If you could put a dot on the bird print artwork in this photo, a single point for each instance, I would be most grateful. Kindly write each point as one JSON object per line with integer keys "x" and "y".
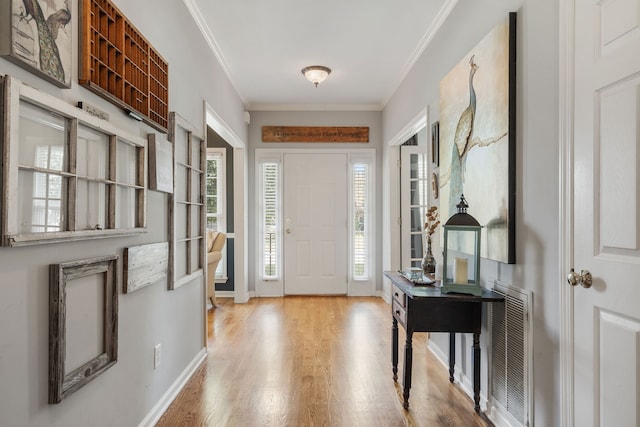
{"x": 461, "y": 141}
{"x": 474, "y": 138}
{"x": 41, "y": 37}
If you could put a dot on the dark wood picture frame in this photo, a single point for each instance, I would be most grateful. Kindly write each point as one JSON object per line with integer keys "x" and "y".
{"x": 61, "y": 383}
{"x": 21, "y": 32}
{"x": 435, "y": 143}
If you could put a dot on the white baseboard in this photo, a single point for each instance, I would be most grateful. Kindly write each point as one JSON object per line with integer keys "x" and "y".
{"x": 225, "y": 294}
{"x": 156, "y": 412}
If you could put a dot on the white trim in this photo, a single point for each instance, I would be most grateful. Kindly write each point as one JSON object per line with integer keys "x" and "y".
{"x": 241, "y": 221}
{"x": 202, "y": 25}
{"x": 169, "y": 396}
{"x": 224, "y": 294}
{"x": 566, "y": 136}
{"x": 267, "y": 287}
{"x": 217, "y": 123}
{"x": 391, "y": 196}
{"x": 240, "y": 198}
{"x": 414, "y": 126}
{"x": 363, "y": 287}
{"x": 222, "y": 204}
{"x": 424, "y": 42}
{"x": 315, "y": 107}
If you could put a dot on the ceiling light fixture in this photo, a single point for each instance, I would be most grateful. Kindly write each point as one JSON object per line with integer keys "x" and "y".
{"x": 316, "y": 73}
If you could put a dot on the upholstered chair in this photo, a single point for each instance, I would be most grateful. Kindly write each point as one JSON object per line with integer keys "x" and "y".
{"x": 215, "y": 243}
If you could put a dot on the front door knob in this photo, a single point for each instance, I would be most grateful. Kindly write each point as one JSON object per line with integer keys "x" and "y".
{"x": 584, "y": 278}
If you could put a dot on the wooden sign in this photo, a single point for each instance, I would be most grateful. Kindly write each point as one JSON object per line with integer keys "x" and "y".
{"x": 145, "y": 265}
{"x": 314, "y": 134}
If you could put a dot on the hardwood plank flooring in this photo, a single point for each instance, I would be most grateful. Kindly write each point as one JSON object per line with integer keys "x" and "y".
{"x": 313, "y": 361}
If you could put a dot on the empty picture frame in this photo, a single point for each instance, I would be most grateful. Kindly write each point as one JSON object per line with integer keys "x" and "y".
{"x": 79, "y": 330}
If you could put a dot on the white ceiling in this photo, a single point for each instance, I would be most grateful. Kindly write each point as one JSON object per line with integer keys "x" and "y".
{"x": 370, "y": 45}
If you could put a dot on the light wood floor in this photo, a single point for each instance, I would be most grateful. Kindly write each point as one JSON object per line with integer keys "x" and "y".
{"x": 313, "y": 361}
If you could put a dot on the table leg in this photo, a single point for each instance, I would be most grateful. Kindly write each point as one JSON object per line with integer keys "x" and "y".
{"x": 452, "y": 355}
{"x": 408, "y": 360}
{"x": 394, "y": 348}
{"x": 476, "y": 371}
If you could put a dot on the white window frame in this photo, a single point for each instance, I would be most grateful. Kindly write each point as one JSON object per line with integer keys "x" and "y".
{"x": 272, "y": 285}
{"x": 220, "y": 153}
{"x": 14, "y": 94}
{"x": 222, "y": 187}
{"x": 363, "y": 285}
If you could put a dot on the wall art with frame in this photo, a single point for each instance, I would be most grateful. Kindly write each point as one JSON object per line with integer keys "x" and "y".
{"x": 83, "y": 323}
{"x": 477, "y": 139}
{"x": 38, "y": 35}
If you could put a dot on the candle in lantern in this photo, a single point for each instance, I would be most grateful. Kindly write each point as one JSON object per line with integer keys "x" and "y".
{"x": 461, "y": 272}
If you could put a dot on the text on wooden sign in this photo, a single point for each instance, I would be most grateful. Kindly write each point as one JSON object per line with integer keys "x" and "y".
{"x": 315, "y": 134}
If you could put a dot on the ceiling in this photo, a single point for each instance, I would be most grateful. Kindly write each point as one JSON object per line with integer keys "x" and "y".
{"x": 370, "y": 45}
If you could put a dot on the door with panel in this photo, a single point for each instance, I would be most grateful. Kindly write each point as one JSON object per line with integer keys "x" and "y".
{"x": 315, "y": 223}
{"x": 606, "y": 203}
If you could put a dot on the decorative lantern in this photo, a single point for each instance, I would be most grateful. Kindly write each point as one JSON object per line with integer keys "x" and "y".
{"x": 461, "y": 265}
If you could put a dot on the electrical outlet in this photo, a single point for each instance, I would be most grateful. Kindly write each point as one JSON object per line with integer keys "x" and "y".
{"x": 156, "y": 356}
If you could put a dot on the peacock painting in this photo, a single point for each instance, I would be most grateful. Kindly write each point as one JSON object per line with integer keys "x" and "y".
{"x": 41, "y": 38}
{"x": 477, "y": 139}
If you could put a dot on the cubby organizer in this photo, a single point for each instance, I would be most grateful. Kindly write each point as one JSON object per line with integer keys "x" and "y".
{"x": 119, "y": 64}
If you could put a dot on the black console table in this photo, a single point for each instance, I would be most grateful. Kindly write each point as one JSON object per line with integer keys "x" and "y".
{"x": 426, "y": 309}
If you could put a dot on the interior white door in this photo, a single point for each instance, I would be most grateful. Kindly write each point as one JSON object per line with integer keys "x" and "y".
{"x": 414, "y": 198}
{"x": 606, "y": 203}
{"x": 315, "y": 224}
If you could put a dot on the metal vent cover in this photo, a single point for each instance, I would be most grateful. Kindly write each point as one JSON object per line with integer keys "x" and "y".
{"x": 511, "y": 354}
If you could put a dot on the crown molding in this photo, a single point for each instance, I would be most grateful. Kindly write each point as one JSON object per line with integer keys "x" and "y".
{"x": 432, "y": 30}
{"x": 196, "y": 14}
{"x": 314, "y": 107}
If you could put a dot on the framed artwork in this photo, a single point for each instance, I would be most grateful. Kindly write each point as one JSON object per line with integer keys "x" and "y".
{"x": 38, "y": 36}
{"x": 435, "y": 143}
{"x": 477, "y": 139}
{"x": 83, "y": 323}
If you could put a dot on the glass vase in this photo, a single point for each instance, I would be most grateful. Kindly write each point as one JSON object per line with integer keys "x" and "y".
{"x": 428, "y": 260}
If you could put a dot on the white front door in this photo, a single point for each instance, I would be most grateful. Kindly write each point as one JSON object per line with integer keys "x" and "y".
{"x": 315, "y": 224}
{"x": 606, "y": 196}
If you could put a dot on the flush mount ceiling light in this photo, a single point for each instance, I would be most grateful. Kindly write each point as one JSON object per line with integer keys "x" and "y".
{"x": 316, "y": 73}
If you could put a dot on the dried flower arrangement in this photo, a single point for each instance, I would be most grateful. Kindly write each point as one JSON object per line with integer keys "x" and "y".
{"x": 432, "y": 221}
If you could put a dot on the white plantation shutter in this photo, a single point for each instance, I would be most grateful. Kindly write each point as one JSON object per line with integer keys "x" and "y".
{"x": 270, "y": 219}
{"x": 360, "y": 267}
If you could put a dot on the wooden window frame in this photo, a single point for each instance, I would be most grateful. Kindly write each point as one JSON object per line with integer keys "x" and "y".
{"x": 193, "y": 202}
{"x": 13, "y": 93}
{"x": 61, "y": 383}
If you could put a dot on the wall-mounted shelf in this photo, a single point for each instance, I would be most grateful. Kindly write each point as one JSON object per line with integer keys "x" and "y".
{"x": 119, "y": 64}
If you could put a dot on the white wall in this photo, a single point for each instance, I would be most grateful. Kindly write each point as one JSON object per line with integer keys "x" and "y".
{"x": 372, "y": 119}
{"x": 126, "y": 393}
{"x": 536, "y": 171}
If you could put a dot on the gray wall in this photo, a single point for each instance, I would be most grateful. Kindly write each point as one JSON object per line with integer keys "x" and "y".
{"x": 127, "y": 392}
{"x": 537, "y": 209}
{"x": 373, "y": 119}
